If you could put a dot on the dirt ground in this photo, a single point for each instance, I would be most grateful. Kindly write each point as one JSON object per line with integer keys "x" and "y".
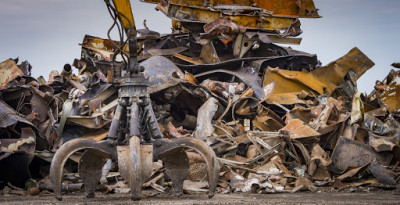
{"x": 376, "y": 197}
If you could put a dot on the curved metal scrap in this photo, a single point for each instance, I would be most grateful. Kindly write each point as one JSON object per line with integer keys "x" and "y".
{"x": 350, "y": 153}
{"x": 103, "y": 148}
{"x": 163, "y": 146}
{"x": 10, "y": 117}
{"x": 247, "y": 75}
{"x": 8, "y": 71}
{"x": 162, "y": 73}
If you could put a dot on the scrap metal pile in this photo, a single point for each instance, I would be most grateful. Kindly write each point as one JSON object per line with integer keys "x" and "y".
{"x": 277, "y": 120}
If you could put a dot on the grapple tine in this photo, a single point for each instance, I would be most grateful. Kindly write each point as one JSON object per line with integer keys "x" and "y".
{"x": 57, "y": 164}
{"x": 177, "y": 167}
{"x": 135, "y": 164}
{"x": 90, "y": 170}
{"x": 163, "y": 146}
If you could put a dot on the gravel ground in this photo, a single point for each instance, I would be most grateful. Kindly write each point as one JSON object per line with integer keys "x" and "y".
{"x": 376, "y": 197}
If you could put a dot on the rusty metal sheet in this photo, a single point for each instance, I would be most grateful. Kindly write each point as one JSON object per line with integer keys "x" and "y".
{"x": 104, "y": 47}
{"x": 323, "y": 80}
{"x": 222, "y": 26}
{"x": 209, "y": 54}
{"x": 350, "y": 153}
{"x": 162, "y": 73}
{"x": 10, "y": 117}
{"x": 247, "y": 75}
{"x": 188, "y": 59}
{"x": 390, "y": 96}
{"x": 26, "y": 143}
{"x": 289, "y": 61}
{"x": 332, "y": 74}
{"x": 224, "y": 89}
{"x": 281, "y": 8}
{"x": 297, "y": 129}
{"x": 8, "y": 71}
{"x": 289, "y": 25}
{"x": 293, "y": 81}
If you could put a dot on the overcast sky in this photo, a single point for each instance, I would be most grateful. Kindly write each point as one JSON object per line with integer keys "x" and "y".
{"x": 47, "y": 32}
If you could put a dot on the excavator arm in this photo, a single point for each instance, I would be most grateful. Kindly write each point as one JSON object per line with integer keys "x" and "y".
{"x": 124, "y": 10}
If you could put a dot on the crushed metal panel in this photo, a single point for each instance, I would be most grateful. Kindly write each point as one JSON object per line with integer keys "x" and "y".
{"x": 333, "y": 73}
{"x": 390, "y": 96}
{"x": 10, "y": 117}
{"x": 323, "y": 80}
{"x": 162, "y": 73}
{"x": 25, "y": 144}
{"x": 104, "y": 47}
{"x": 247, "y": 75}
{"x": 281, "y": 8}
{"x": 290, "y": 26}
{"x": 293, "y": 81}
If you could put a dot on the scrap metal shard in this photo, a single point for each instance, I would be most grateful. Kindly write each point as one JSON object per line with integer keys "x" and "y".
{"x": 8, "y": 71}
{"x": 323, "y": 80}
{"x": 350, "y": 153}
{"x": 390, "y": 96}
{"x": 298, "y": 129}
{"x": 10, "y": 117}
{"x": 162, "y": 73}
{"x": 207, "y": 111}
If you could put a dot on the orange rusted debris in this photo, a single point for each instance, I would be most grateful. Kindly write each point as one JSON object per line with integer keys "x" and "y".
{"x": 297, "y": 129}
{"x": 280, "y": 8}
{"x": 8, "y": 71}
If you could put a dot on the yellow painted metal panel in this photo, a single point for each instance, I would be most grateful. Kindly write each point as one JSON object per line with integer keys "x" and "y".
{"x": 188, "y": 14}
{"x": 278, "y": 8}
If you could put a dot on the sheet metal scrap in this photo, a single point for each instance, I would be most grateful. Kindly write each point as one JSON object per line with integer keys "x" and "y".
{"x": 323, "y": 80}
{"x": 17, "y": 146}
{"x": 8, "y": 71}
{"x": 390, "y": 95}
{"x": 270, "y": 16}
{"x": 17, "y": 134}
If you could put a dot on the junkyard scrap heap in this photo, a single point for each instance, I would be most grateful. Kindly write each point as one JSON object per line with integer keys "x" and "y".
{"x": 277, "y": 120}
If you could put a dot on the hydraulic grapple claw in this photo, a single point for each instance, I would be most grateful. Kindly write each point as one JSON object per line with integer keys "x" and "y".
{"x": 134, "y": 161}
